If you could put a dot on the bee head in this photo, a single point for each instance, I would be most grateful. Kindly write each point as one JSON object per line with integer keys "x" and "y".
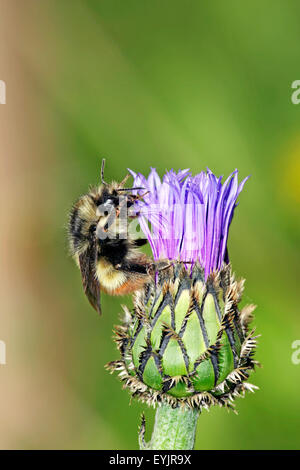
{"x": 101, "y": 213}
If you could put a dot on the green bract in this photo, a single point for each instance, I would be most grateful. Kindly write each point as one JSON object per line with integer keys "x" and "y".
{"x": 186, "y": 341}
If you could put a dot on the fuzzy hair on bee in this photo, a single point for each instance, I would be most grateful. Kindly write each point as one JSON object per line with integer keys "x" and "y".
{"x": 108, "y": 258}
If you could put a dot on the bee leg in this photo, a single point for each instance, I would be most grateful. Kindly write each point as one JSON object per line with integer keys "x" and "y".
{"x": 158, "y": 266}
{"x": 140, "y": 196}
{"x": 133, "y": 268}
{"x": 123, "y": 181}
{"x": 140, "y": 242}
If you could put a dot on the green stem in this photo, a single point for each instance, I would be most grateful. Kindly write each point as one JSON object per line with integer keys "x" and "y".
{"x": 174, "y": 428}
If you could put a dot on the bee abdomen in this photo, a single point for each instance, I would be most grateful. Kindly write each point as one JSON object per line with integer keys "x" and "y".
{"x": 131, "y": 286}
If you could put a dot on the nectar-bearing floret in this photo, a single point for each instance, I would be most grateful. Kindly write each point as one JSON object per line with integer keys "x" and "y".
{"x": 195, "y": 213}
{"x": 186, "y": 342}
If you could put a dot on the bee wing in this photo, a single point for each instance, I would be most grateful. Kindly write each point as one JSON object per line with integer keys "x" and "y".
{"x": 90, "y": 283}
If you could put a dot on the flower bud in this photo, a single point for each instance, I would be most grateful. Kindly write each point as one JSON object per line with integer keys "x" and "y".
{"x": 186, "y": 342}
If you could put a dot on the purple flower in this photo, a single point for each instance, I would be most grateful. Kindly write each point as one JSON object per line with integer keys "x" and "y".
{"x": 189, "y": 215}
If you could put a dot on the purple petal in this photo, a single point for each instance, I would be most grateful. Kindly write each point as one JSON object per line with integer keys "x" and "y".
{"x": 190, "y": 216}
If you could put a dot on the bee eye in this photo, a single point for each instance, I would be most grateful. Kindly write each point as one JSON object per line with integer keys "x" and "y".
{"x": 93, "y": 228}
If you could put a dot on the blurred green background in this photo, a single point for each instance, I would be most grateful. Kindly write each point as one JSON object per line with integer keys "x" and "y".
{"x": 168, "y": 84}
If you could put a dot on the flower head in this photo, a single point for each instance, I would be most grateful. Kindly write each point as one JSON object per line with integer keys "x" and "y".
{"x": 190, "y": 215}
{"x": 186, "y": 342}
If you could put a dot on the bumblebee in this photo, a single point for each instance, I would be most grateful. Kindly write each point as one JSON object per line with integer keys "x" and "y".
{"x": 108, "y": 258}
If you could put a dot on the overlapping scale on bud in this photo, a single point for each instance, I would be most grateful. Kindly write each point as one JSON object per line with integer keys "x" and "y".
{"x": 186, "y": 342}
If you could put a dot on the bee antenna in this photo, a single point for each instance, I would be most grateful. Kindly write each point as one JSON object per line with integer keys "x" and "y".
{"x": 102, "y": 172}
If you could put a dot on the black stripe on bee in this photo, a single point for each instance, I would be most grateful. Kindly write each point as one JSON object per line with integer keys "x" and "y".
{"x": 115, "y": 250}
{"x": 76, "y": 225}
